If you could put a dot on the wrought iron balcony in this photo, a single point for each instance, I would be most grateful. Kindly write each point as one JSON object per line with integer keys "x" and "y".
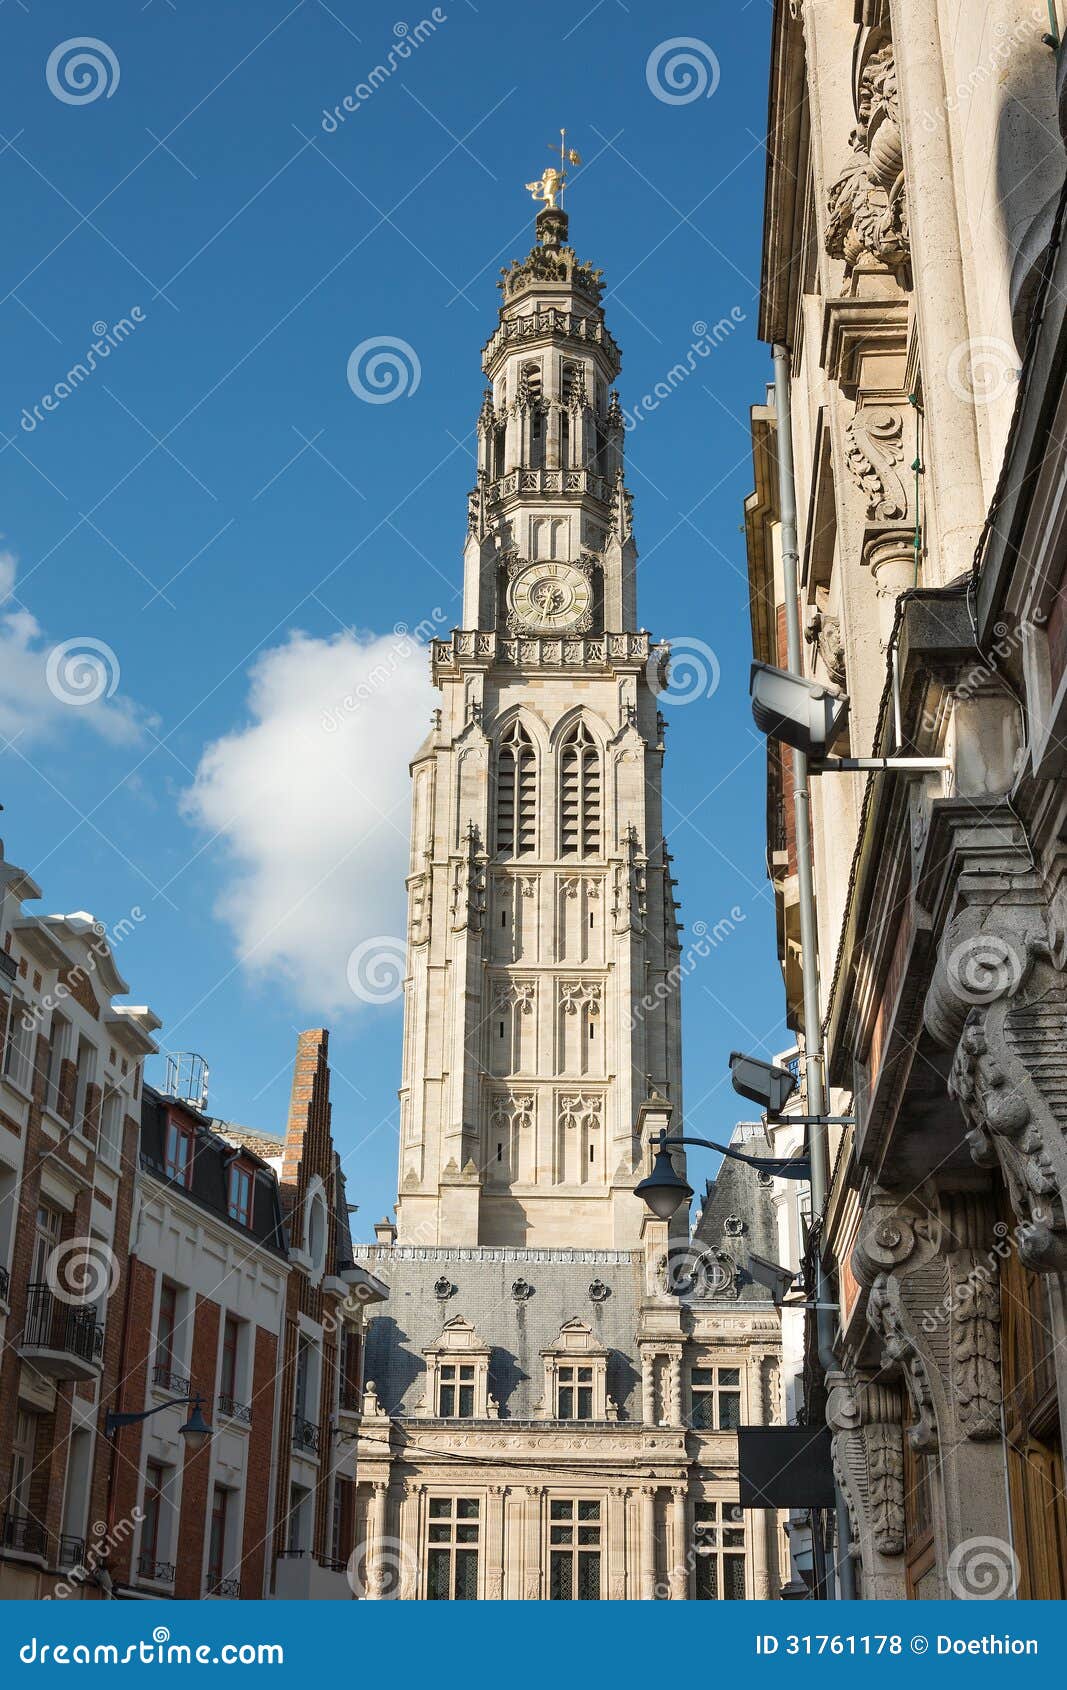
{"x": 228, "y": 1589}
{"x": 64, "y": 1340}
{"x": 234, "y": 1410}
{"x": 158, "y": 1572}
{"x": 305, "y": 1435}
{"x": 175, "y": 1384}
{"x": 24, "y": 1535}
{"x": 71, "y": 1551}
{"x": 5, "y": 1285}
{"x": 8, "y": 966}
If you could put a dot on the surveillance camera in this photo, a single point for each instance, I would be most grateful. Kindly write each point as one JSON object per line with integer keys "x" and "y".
{"x": 808, "y": 715}
{"x": 762, "y": 1082}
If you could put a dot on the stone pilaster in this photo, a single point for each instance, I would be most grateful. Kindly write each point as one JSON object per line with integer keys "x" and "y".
{"x": 866, "y": 1418}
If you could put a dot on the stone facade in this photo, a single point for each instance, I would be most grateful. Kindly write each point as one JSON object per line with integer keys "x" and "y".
{"x": 552, "y": 1387}
{"x": 912, "y": 288}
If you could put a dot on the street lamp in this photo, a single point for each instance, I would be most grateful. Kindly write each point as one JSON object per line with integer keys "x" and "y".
{"x": 772, "y": 1087}
{"x": 811, "y": 715}
{"x": 196, "y": 1431}
{"x": 665, "y": 1190}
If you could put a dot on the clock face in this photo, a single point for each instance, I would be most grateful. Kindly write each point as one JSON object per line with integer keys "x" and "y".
{"x": 551, "y": 598}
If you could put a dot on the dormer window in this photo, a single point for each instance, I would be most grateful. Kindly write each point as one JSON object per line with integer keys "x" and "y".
{"x": 178, "y": 1155}
{"x": 576, "y": 1376}
{"x": 455, "y": 1391}
{"x": 457, "y": 1374}
{"x": 239, "y": 1200}
{"x": 574, "y": 1393}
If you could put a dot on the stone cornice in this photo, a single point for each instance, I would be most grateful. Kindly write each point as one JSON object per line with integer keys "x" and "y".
{"x": 554, "y": 323}
{"x": 470, "y": 648}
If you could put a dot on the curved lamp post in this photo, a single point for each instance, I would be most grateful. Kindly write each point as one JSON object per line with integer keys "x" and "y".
{"x": 665, "y": 1190}
{"x": 196, "y": 1431}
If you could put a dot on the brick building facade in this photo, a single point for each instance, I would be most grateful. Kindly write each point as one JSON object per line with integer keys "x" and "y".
{"x": 151, "y": 1256}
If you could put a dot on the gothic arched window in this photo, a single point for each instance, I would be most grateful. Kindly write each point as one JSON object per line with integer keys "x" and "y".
{"x": 516, "y": 794}
{"x": 530, "y": 397}
{"x": 579, "y": 794}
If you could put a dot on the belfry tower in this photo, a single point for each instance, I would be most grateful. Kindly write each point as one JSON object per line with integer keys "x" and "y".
{"x": 541, "y": 1005}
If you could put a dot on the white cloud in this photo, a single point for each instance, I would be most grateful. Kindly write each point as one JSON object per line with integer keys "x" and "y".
{"x": 48, "y": 686}
{"x": 311, "y": 801}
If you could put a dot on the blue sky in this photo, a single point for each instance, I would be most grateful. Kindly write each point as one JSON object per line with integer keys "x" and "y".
{"x": 237, "y": 530}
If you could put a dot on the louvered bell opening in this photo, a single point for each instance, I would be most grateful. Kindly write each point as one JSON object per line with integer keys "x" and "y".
{"x": 570, "y": 805}
{"x": 505, "y": 806}
{"x": 591, "y": 806}
{"x": 527, "y": 804}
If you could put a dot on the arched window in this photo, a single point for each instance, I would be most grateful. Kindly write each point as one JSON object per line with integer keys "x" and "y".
{"x": 579, "y": 794}
{"x": 530, "y": 398}
{"x": 516, "y": 794}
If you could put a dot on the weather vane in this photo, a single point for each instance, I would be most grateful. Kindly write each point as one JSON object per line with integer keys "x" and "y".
{"x": 553, "y": 181}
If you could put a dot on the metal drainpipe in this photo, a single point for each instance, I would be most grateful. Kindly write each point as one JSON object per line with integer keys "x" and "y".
{"x": 813, "y": 1054}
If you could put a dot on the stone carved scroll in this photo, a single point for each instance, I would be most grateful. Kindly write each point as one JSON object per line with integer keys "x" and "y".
{"x": 874, "y": 458}
{"x": 999, "y": 996}
{"x": 931, "y": 1269}
{"x": 868, "y": 1455}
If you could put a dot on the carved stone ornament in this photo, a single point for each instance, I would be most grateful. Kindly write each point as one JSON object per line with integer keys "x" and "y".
{"x": 875, "y": 454}
{"x": 599, "y": 1292}
{"x": 522, "y": 1290}
{"x": 867, "y": 215}
{"x": 931, "y": 1267}
{"x": 999, "y": 995}
{"x": 443, "y": 1290}
{"x": 824, "y": 633}
{"x": 868, "y": 1457}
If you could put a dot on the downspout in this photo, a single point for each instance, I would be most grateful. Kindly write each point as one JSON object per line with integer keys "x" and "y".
{"x": 813, "y": 1052}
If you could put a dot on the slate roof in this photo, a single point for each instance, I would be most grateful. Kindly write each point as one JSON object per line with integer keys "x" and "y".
{"x": 738, "y": 1194}
{"x": 516, "y": 1329}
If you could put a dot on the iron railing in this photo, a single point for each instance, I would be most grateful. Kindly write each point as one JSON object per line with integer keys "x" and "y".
{"x": 24, "y": 1534}
{"x": 234, "y": 1410}
{"x": 71, "y": 1551}
{"x": 175, "y": 1384}
{"x": 5, "y": 1285}
{"x": 8, "y": 965}
{"x": 228, "y": 1588}
{"x": 305, "y": 1434}
{"x": 52, "y": 1324}
{"x": 159, "y": 1572}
